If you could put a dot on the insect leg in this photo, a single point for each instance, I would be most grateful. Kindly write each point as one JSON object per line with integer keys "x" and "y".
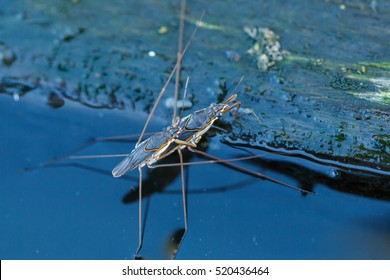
{"x": 179, "y": 59}
{"x": 179, "y": 52}
{"x": 184, "y": 143}
{"x": 205, "y": 162}
{"x": 69, "y": 155}
{"x": 248, "y": 171}
{"x": 236, "y": 106}
{"x": 167, "y": 82}
{"x": 183, "y": 191}
{"x": 140, "y": 230}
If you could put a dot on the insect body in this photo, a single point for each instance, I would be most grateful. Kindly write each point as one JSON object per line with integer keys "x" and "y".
{"x": 147, "y": 152}
{"x": 195, "y": 125}
{"x": 185, "y": 132}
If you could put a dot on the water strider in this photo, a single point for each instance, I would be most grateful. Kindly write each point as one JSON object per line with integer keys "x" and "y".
{"x": 184, "y": 132}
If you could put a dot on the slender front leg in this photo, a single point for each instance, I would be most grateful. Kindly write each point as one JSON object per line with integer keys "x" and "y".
{"x": 236, "y": 106}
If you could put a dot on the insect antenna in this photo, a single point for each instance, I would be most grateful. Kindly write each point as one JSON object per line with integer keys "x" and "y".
{"x": 238, "y": 84}
{"x": 233, "y": 95}
{"x": 184, "y": 96}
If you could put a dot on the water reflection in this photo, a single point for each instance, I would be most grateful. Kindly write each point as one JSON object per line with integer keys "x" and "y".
{"x": 348, "y": 180}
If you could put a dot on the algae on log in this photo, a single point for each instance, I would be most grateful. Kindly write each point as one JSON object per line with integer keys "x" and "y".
{"x": 329, "y": 96}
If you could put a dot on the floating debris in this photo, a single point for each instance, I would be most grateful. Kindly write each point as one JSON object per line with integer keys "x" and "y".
{"x": 340, "y": 81}
{"x": 181, "y": 103}
{"x": 232, "y": 55}
{"x": 162, "y": 30}
{"x": 69, "y": 34}
{"x": 7, "y": 56}
{"x": 55, "y": 101}
{"x": 266, "y": 47}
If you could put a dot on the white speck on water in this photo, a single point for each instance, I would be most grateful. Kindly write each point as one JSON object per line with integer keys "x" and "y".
{"x": 334, "y": 173}
{"x": 254, "y": 241}
{"x": 152, "y": 53}
{"x": 16, "y": 96}
{"x": 246, "y": 111}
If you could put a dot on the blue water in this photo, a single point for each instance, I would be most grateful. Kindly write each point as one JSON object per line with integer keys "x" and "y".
{"x": 77, "y": 210}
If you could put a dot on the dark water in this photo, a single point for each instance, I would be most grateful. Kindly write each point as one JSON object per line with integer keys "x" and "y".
{"x": 79, "y": 211}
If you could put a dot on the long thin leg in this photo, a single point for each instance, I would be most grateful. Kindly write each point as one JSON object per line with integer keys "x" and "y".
{"x": 248, "y": 171}
{"x": 167, "y": 82}
{"x": 236, "y": 106}
{"x": 179, "y": 50}
{"x": 98, "y": 156}
{"x": 205, "y": 162}
{"x": 91, "y": 142}
{"x": 140, "y": 230}
{"x": 183, "y": 192}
